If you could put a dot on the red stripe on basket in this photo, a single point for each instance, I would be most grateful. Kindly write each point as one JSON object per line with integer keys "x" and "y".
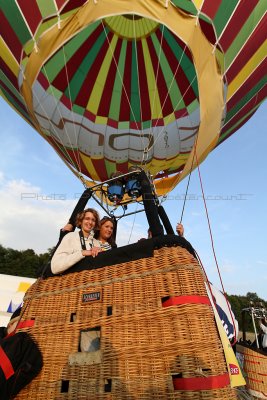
{"x": 173, "y": 301}
{"x": 248, "y": 361}
{"x": 5, "y": 364}
{"x": 201, "y": 383}
{"x": 254, "y": 372}
{"x": 26, "y": 324}
{"x": 254, "y": 380}
{"x": 251, "y": 356}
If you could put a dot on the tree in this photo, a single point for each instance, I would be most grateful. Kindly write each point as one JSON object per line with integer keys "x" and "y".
{"x": 238, "y": 303}
{"x": 21, "y": 263}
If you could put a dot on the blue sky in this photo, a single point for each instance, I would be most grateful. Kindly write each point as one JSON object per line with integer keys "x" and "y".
{"x": 38, "y": 193}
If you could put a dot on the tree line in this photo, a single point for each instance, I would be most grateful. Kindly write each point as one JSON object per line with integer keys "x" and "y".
{"x": 27, "y": 263}
{"x": 22, "y": 262}
{"x": 238, "y": 303}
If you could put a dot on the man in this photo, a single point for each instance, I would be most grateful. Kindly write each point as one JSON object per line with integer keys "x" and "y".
{"x": 11, "y": 326}
{"x": 180, "y": 229}
{"x": 263, "y": 327}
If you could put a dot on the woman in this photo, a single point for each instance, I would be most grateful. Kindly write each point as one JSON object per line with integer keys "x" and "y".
{"x": 70, "y": 251}
{"x": 105, "y": 234}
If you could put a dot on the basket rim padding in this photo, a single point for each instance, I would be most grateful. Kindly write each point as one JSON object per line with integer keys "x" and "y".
{"x": 142, "y": 249}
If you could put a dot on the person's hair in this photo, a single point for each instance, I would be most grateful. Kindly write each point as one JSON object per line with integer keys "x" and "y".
{"x": 81, "y": 215}
{"x": 110, "y": 240}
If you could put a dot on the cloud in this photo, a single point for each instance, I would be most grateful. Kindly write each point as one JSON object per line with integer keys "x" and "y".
{"x": 196, "y": 214}
{"x": 130, "y": 233}
{"x": 30, "y": 219}
{"x": 228, "y": 267}
{"x": 225, "y": 227}
{"x": 262, "y": 263}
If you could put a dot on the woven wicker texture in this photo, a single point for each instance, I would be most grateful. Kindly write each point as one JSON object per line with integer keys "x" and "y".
{"x": 144, "y": 347}
{"x": 255, "y": 369}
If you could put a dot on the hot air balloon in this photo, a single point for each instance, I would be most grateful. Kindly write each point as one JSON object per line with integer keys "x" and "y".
{"x": 116, "y": 85}
{"x": 110, "y": 86}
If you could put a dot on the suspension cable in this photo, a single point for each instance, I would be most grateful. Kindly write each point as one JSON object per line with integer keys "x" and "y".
{"x": 156, "y": 80}
{"x": 167, "y": 94}
{"x": 130, "y": 236}
{"x": 138, "y": 80}
{"x": 186, "y": 191}
{"x": 213, "y": 247}
{"x": 169, "y": 117}
{"x": 76, "y": 164}
{"x": 71, "y": 102}
{"x": 119, "y": 73}
{"x": 71, "y": 164}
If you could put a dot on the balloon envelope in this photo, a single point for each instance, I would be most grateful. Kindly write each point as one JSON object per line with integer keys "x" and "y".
{"x": 134, "y": 82}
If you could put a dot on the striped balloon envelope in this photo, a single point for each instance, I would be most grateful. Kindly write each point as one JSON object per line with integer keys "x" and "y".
{"x": 157, "y": 84}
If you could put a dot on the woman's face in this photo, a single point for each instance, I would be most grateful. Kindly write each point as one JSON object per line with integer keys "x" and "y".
{"x": 88, "y": 223}
{"x": 106, "y": 230}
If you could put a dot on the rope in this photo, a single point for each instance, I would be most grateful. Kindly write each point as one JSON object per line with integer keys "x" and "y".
{"x": 145, "y": 148}
{"x": 225, "y": 27}
{"x": 53, "y": 129}
{"x": 156, "y": 80}
{"x": 72, "y": 165}
{"x": 159, "y": 56}
{"x": 74, "y": 125}
{"x": 188, "y": 181}
{"x": 64, "y": 128}
{"x": 169, "y": 117}
{"x": 177, "y": 104}
{"x": 166, "y": 97}
{"x": 119, "y": 73}
{"x": 213, "y": 250}
{"x": 133, "y": 223}
{"x": 189, "y": 178}
{"x": 137, "y": 71}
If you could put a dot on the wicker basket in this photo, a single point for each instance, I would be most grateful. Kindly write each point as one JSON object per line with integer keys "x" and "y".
{"x": 156, "y": 329}
{"x": 255, "y": 370}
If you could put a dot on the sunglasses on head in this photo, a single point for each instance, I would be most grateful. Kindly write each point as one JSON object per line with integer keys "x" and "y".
{"x": 108, "y": 219}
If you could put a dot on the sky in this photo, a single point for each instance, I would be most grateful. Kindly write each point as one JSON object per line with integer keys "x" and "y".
{"x": 38, "y": 193}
